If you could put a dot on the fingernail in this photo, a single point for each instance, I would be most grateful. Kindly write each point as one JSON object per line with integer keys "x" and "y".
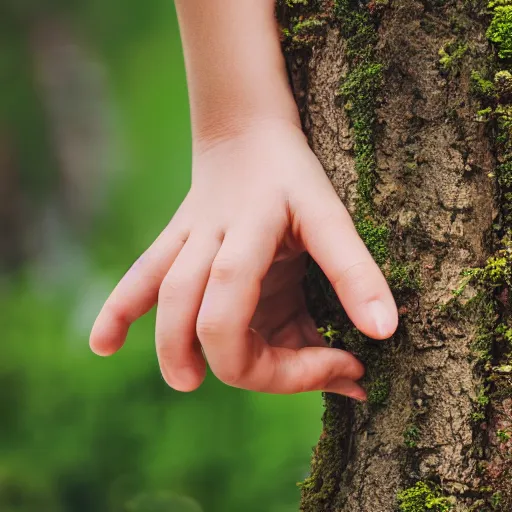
{"x": 383, "y": 317}
{"x": 348, "y": 388}
{"x": 359, "y": 395}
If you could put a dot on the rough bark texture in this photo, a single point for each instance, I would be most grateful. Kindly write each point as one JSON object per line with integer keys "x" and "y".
{"x": 434, "y": 434}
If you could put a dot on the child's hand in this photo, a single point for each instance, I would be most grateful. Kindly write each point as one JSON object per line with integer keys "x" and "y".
{"x": 227, "y": 272}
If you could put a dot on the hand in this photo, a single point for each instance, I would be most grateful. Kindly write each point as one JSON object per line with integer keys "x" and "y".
{"x": 227, "y": 273}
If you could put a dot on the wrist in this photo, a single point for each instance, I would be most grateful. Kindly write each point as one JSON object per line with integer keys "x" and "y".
{"x": 230, "y": 126}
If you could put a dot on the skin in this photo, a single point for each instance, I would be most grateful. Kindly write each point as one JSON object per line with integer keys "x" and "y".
{"x": 226, "y": 273}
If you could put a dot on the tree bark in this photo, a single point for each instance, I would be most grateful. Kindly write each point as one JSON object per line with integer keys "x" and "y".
{"x": 392, "y": 97}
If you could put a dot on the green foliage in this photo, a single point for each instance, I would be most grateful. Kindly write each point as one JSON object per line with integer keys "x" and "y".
{"x": 422, "y": 497}
{"x": 329, "y": 333}
{"x": 162, "y": 502}
{"x": 500, "y": 29}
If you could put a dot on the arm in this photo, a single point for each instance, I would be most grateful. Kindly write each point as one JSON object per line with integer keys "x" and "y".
{"x": 227, "y": 271}
{"x": 235, "y": 68}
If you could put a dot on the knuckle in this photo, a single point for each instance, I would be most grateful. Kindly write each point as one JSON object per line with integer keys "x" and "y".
{"x": 208, "y": 327}
{"x": 355, "y": 273}
{"x": 225, "y": 270}
{"x": 170, "y": 289}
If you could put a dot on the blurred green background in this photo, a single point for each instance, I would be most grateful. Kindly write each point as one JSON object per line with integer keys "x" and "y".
{"x": 94, "y": 159}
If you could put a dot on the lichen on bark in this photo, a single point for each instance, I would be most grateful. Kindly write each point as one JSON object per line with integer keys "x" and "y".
{"x": 408, "y": 152}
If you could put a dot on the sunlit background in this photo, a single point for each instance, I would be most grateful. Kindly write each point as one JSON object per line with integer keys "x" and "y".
{"x": 94, "y": 159}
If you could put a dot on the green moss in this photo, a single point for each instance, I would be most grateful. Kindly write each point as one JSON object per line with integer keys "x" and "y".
{"x": 503, "y": 81}
{"x": 305, "y": 25}
{"x": 304, "y": 31}
{"x": 480, "y": 405}
{"x": 493, "y": 342}
{"x": 320, "y": 488}
{"x": 485, "y": 338}
{"x": 378, "y": 392}
{"x": 403, "y": 277}
{"x": 482, "y": 398}
{"x": 497, "y": 271}
{"x": 505, "y": 333}
{"x": 451, "y": 54}
{"x": 359, "y": 90}
{"x": 484, "y": 115}
{"x": 375, "y": 237}
{"x": 498, "y": 103}
{"x": 482, "y": 87}
{"x": 504, "y": 436}
{"x": 500, "y": 29}
{"x": 500, "y": 34}
{"x": 423, "y": 497}
{"x": 412, "y": 435}
{"x": 496, "y": 500}
{"x": 478, "y": 416}
{"x": 355, "y": 342}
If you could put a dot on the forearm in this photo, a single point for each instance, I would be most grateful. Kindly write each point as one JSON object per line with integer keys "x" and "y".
{"x": 235, "y": 68}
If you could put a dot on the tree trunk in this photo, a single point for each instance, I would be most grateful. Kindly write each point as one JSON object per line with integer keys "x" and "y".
{"x": 408, "y": 105}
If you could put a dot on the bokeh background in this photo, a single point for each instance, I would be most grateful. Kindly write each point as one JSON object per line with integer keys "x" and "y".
{"x": 94, "y": 160}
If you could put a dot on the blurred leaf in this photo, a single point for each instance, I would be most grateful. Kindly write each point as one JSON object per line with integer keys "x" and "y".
{"x": 163, "y": 502}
